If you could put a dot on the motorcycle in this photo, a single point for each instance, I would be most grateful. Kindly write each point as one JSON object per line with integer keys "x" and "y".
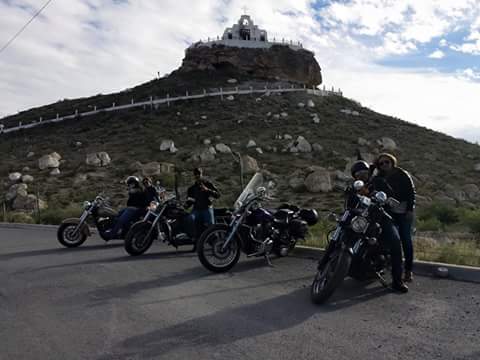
{"x": 166, "y": 222}
{"x": 354, "y": 248}
{"x": 253, "y": 230}
{"x": 73, "y": 232}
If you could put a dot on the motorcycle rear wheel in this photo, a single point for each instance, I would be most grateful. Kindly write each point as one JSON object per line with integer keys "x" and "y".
{"x": 137, "y": 240}
{"x": 330, "y": 276}
{"x": 210, "y": 253}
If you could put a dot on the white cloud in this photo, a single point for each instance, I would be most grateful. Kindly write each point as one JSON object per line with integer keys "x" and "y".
{"x": 437, "y": 54}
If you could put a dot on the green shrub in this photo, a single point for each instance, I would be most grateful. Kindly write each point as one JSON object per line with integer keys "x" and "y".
{"x": 55, "y": 215}
{"x": 445, "y": 214}
{"x": 19, "y": 218}
{"x": 430, "y": 224}
{"x": 472, "y": 220}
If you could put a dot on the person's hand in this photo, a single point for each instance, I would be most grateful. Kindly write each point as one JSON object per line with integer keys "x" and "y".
{"x": 203, "y": 187}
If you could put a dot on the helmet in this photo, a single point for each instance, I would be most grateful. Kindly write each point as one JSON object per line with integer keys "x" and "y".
{"x": 309, "y": 215}
{"x": 133, "y": 180}
{"x": 359, "y": 165}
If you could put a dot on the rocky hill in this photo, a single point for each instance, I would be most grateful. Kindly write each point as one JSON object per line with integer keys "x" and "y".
{"x": 305, "y": 143}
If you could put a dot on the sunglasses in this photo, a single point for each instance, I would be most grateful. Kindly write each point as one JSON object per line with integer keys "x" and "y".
{"x": 385, "y": 162}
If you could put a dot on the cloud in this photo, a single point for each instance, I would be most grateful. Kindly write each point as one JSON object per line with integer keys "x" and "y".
{"x": 437, "y": 54}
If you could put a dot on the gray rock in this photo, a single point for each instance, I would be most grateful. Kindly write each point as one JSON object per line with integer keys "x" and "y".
{"x": 30, "y": 154}
{"x": 251, "y": 144}
{"x": 207, "y": 142}
{"x": 232, "y": 81}
{"x": 99, "y": 159}
{"x": 167, "y": 145}
{"x": 477, "y": 167}
{"x": 303, "y": 145}
{"x": 317, "y": 148}
{"x": 310, "y": 104}
{"x": 319, "y": 181}
{"x": 27, "y": 179}
{"x": 472, "y": 191}
{"x": 284, "y": 114}
{"x": 296, "y": 181}
{"x": 50, "y": 161}
{"x": 15, "y": 177}
{"x": 288, "y": 137}
{"x": 259, "y": 150}
{"x": 55, "y": 172}
{"x": 250, "y": 165}
{"x": 28, "y": 203}
{"x": 387, "y": 144}
{"x": 363, "y": 142}
{"x": 223, "y": 149}
{"x": 230, "y": 98}
{"x": 301, "y": 105}
{"x": 25, "y": 169}
{"x": 80, "y": 179}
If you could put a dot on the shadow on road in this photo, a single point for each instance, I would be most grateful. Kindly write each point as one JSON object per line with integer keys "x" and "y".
{"x": 59, "y": 250}
{"x": 230, "y": 325}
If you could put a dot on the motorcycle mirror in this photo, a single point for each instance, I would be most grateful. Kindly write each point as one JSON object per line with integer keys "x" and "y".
{"x": 381, "y": 197}
{"x": 358, "y": 185}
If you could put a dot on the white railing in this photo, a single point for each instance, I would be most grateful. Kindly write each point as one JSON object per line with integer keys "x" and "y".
{"x": 168, "y": 100}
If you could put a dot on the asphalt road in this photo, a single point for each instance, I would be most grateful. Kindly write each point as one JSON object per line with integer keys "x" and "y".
{"x": 95, "y": 302}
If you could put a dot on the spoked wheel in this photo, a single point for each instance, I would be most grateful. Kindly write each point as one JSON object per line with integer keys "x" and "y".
{"x": 211, "y": 253}
{"x": 139, "y": 238}
{"x": 69, "y": 236}
{"x": 330, "y": 276}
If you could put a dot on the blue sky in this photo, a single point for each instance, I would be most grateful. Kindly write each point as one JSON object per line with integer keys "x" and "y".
{"x": 414, "y": 59}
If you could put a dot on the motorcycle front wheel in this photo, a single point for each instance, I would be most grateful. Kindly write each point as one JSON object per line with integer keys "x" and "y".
{"x": 68, "y": 237}
{"x": 138, "y": 239}
{"x": 330, "y": 275}
{"x": 210, "y": 249}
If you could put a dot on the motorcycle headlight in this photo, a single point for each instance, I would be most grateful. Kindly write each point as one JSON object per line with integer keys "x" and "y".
{"x": 153, "y": 206}
{"x": 87, "y": 204}
{"x": 359, "y": 224}
{"x": 365, "y": 201}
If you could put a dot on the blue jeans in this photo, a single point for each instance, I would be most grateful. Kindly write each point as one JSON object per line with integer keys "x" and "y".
{"x": 125, "y": 216}
{"x": 405, "y": 229}
{"x": 391, "y": 238}
{"x": 199, "y": 219}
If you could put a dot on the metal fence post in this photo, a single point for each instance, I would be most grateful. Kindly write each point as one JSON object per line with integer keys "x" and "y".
{"x": 168, "y": 100}
{"x": 221, "y": 93}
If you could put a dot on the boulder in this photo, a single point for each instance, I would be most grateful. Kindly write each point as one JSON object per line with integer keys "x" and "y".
{"x": 319, "y": 181}
{"x": 207, "y": 142}
{"x": 303, "y": 145}
{"x": 288, "y": 137}
{"x": 25, "y": 169}
{"x": 477, "y": 167}
{"x": 28, "y": 203}
{"x": 310, "y": 104}
{"x": 223, "y": 149}
{"x": 232, "y": 81}
{"x": 363, "y": 142}
{"x": 30, "y": 154}
{"x": 251, "y": 144}
{"x": 14, "y": 190}
{"x": 387, "y": 144}
{"x": 259, "y": 150}
{"x": 27, "y": 179}
{"x": 50, "y": 161}
{"x": 284, "y": 114}
{"x": 151, "y": 169}
{"x": 316, "y": 119}
{"x": 15, "y": 177}
{"x": 301, "y": 105}
{"x": 98, "y": 159}
{"x": 167, "y": 145}
{"x": 250, "y": 165}
{"x": 230, "y": 98}
{"x": 203, "y": 155}
{"x": 317, "y": 148}
{"x": 296, "y": 181}
{"x": 55, "y": 172}
{"x": 275, "y": 63}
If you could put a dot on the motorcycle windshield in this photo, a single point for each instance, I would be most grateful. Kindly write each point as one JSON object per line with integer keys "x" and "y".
{"x": 249, "y": 191}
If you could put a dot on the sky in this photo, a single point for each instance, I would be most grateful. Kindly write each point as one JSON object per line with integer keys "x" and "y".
{"x": 418, "y": 60}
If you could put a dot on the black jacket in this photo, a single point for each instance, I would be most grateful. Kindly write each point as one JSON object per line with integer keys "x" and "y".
{"x": 138, "y": 199}
{"x": 202, "y": 199}
{"x": 402, "y": 185}
{"x": 151, "y": 194}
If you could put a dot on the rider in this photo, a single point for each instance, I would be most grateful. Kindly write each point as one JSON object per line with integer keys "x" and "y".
{"x": 361, "y": 170}
{"x": 152, "y": 193}
{"x": 199, "y": 195}
{"x": 136, "y": 204}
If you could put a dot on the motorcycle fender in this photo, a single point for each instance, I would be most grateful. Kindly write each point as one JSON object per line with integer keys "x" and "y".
{"x": 85, "y": 229}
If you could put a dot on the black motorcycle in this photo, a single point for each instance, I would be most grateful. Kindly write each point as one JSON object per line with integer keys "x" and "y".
{"x": 253, "y": 230}
{"x": 73, "y": 232}
{"x": 354, "y": 247}
{"x": 167, "y": 222}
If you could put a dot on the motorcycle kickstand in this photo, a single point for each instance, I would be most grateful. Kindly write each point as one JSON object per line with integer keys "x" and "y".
{"x": 382, "y": 280}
